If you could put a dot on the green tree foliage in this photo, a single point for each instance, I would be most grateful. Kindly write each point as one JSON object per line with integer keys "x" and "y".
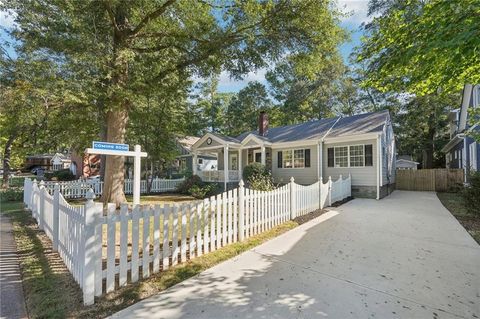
{"x": 115, "y": 50}
{"x": 244, "y": 108}
{"x": 422, "y": 128}
{"x": 422, "y": 47}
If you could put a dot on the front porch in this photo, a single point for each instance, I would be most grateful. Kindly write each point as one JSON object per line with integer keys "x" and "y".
{"x": 232, "y": 156}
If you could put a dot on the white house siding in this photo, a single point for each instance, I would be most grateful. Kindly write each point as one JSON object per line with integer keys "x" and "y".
{"x": 361, "y": 176}
{"x": 306, "y": 176}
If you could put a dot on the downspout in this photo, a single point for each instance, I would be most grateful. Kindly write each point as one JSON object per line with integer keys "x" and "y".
{"x": 320, "y": 150}
{"x": 379, "y": 167}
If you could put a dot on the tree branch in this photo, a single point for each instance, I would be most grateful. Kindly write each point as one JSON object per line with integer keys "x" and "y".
{"x": 151, "y": 16}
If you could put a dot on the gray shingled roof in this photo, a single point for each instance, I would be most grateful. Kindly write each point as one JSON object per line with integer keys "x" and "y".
{"x": 351, "y": 125}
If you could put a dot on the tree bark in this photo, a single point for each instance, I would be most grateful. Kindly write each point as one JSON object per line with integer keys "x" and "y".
{"x": 7, "y": 153}
{"x": 115, "y": 165}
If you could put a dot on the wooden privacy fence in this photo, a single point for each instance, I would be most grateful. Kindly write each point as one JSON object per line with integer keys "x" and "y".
{"x": 106, "y": 250}
{"x": 79, "y": 188}
{"x": 439, "y": 180}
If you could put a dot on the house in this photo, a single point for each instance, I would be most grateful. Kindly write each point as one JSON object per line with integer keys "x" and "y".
{"x": 406, "y": 162}
{"x": 184, "y": 162}
{"x": 361, "y": 145}
{"x": 48, "y": 162}
{"x": 462, "y": 151}
{"x": 60, "y": 161}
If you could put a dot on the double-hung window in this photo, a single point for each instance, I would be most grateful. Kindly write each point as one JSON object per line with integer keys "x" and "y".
{"x": 357, "y": 156}
{"x": 341, "y": 156}
{"x": 296, "y": 158}
{"x": 350, "y": 156}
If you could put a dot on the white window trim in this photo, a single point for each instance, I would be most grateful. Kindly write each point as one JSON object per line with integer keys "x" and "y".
{"x": 292, "y": 150}
{"x": 348, "y": 154}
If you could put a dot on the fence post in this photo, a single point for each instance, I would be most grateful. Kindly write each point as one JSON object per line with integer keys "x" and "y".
{"x": 35, "y": 183}
{"x": 320, "y": 193}
{"x": 241, "y": 210}
{"x": 93, "y": 213}
{"x": 56, "y": 215}
{"x": 349, "y": 185}
{"x": 42, "y": 205}
{"x": 329, "y": 190}
{"x": 292, "y": 198}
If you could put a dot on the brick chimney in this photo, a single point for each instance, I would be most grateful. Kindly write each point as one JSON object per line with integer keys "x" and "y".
{"x": 263, "y": 123}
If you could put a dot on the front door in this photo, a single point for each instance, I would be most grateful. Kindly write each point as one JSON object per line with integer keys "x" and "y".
{"x": 233, "y": 162}
{"x": 257, "y": 155}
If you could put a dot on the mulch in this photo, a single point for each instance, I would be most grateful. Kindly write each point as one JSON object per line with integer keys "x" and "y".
{"x": 316, "y": 213}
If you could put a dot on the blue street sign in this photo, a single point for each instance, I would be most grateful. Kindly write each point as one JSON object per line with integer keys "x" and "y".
{"x": 110, "y": 146}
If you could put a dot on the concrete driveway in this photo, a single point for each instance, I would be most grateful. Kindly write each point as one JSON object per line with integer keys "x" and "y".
{"x": 402, "y": 257}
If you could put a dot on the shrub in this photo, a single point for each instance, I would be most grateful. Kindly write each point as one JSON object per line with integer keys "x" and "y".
{"x": 61, "y": 175}
{"x": 261, "y": 182}
{"x": 471, "y": 194}
{"x": 203, "y": 191}
{"x": 12, "y": 194}
{"x": 254, "y": 169}
{"x": 258, "y": 177}
{"x": 194, "y": 180}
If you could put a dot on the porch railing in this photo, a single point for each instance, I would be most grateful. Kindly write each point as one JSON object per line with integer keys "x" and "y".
{"x": 219, "y": 176}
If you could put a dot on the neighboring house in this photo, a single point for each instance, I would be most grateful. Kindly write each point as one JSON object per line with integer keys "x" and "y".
{"x": 185, "y": 163}
{"x": 361, "y": 145}
{"x": 406, "y": 162}
{"x": 60, "y": 161}
{"x": 462, "y": 151}
{"x": 48, "y": 162}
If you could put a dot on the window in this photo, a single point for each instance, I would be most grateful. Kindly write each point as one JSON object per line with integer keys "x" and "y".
{"x": 287, "y": 159}
{"x": 341, "y": 156}
{"x": 298, "y": 158}
{"x": 200, "y": 161}
{"x": 357, "y": 156}
{"x": 350, "y": 156}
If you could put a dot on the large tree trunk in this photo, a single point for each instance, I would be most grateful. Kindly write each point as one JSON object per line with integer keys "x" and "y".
{"x": 7, "y": 153}
{"x": 115, "y": 165}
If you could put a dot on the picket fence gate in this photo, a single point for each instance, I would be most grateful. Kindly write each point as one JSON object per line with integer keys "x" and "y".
{"x": 79, "y": 188}
{"x": 107, "y": 250}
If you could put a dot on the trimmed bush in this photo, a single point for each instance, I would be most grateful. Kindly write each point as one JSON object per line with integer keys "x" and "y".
{"x": 12, "y": 194}
{"x": 471, "y": 194}
{"x": 195, "y": 187}
{"x": 257, "y": 177}
{"x": 254, "y": 169}
{"x": 61, "y": 175}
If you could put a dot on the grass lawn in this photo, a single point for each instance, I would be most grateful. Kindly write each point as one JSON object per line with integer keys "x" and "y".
{"x": 51, "y": 292}
{"x": 454, "y": 203}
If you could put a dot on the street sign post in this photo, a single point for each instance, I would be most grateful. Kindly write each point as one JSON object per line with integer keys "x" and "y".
{"x": 105, "y": 148}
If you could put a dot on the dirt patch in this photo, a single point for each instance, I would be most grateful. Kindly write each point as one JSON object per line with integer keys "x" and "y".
{"x": 343, "y": 201}
{"x": 307, "y": 217}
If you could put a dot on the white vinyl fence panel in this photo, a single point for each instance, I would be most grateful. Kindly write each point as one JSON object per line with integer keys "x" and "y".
{"x": 79, "y": 188}
{"x": 103, "y": 252}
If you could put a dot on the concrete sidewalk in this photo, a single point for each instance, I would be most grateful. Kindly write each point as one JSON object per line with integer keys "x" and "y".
{"x": 12, "y": 301}
{"x": 405, "y": 256}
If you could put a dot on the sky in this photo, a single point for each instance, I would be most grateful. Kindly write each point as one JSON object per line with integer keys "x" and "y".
{"x": 357, "y": 10}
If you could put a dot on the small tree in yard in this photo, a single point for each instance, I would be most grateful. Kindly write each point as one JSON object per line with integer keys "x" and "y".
{"x": 471, "y": 194}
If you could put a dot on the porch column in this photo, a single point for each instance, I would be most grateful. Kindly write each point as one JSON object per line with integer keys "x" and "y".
{"x": 225, "y": 166}
{"x": 240, "y": 151}
{"x": 194, "y": 164}
{"x": 263, "y": 155}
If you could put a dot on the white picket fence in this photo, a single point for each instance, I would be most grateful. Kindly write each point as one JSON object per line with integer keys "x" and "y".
{"x": 79, "y": 188}
{"x": 101, "y": 249}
